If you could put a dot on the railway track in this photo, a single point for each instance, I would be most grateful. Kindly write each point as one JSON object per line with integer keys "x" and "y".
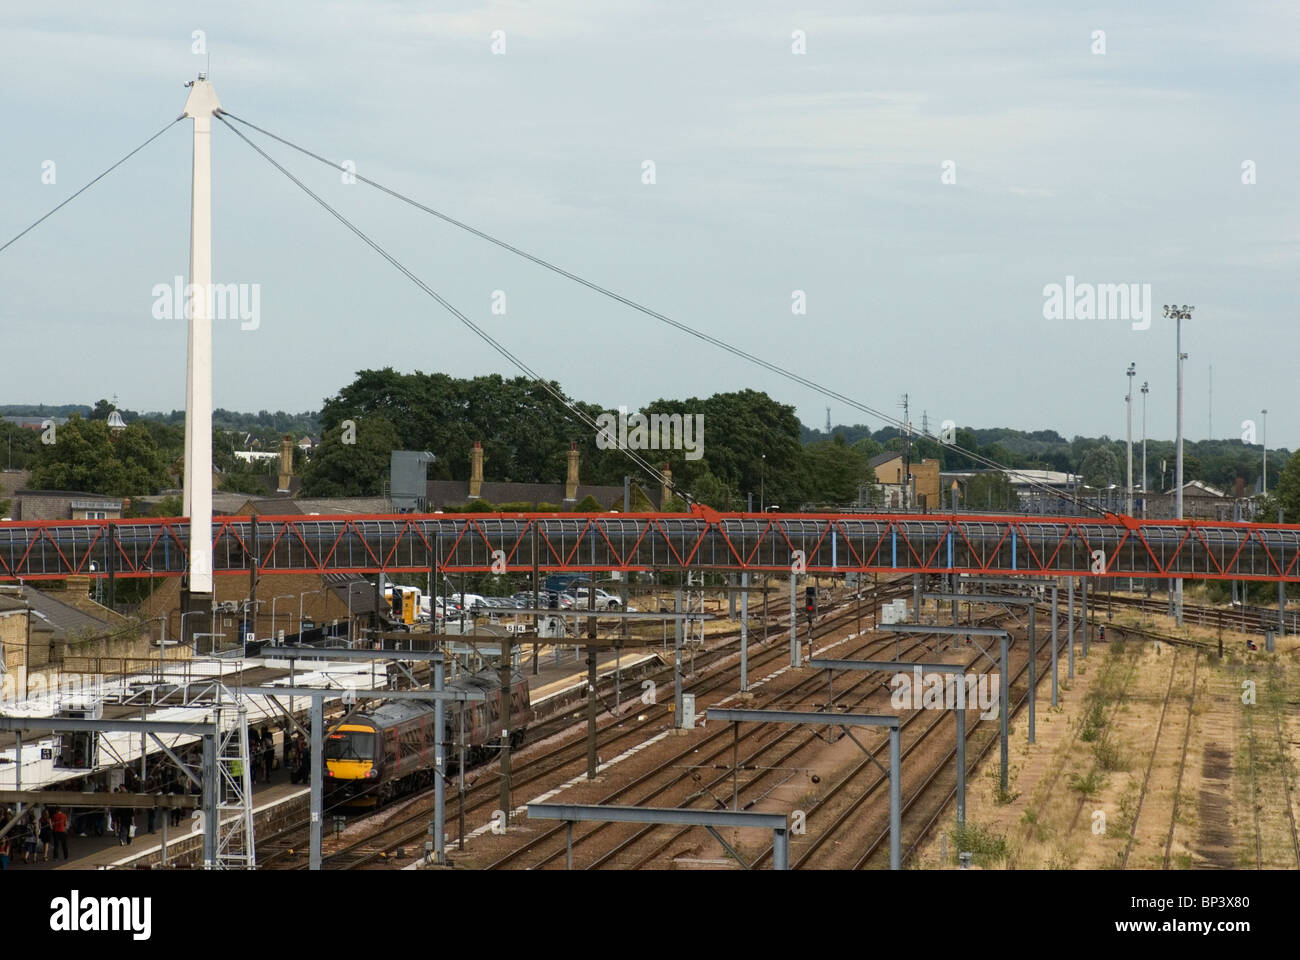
{"x": 1283, "y": 744}
{"x": 1155, "y": 748}
{"x": 679, "y": 834}
{"x": 800, "y": 738}
{"x": 719, "y": 743}
{"x": 483, "y": 793}
{"x": 1242, "y": 619}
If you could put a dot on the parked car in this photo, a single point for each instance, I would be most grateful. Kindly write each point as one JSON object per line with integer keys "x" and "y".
{"x": 580, "y": 600}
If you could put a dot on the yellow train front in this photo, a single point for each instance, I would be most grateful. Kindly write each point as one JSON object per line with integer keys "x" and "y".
{"x": 374, "y": 755}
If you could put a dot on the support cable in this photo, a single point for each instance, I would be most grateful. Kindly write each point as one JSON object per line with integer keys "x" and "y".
{"x": 41, "y": 220}
{"x": 685, "y": 328}
{"x": 450, "y": 308}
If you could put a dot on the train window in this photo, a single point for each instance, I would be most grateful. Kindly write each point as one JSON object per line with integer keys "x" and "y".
{"x": 350, "y": 745}
{"x": 411, "y": 741}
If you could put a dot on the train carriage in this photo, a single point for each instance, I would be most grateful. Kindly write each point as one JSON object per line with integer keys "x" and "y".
{"x": 374, "y": 755}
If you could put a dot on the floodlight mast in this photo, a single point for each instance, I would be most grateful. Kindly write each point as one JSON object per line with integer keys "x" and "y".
{"x": 1179, "y": 314}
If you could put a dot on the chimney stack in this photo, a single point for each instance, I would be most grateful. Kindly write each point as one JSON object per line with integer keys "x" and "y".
{"x": 666, "y": 490}
{"x": 571, "y": 483}
{"x": 286, "y": 464}
{"x": 476, "y": 471}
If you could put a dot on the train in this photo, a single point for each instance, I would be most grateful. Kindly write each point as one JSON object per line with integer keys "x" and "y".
{"x": 375, "y": 755}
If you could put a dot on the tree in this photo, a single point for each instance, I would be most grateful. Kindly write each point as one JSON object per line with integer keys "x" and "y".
{"x": 835, "y": 472}
{"x": 990, "y": 491}
{"x": 1286, "y": 494}
{"x": 87, "y": 456}
{"x": 1099, "y": 467}
{"x": 710, "y": 491}
{"x": 245, "y": 477}
{"x": 20, "y": 448}
{"x": 356, "y": 469}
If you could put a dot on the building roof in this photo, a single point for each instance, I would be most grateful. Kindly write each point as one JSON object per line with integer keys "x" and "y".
{"x": 63, "y": 618}
{"x": 1197, "y": 488}
{"x": 68, "y": 494}
{"x": 1054, "y": 478}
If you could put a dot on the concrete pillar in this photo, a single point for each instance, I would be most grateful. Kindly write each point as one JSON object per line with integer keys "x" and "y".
{"x": 197, "y": 486}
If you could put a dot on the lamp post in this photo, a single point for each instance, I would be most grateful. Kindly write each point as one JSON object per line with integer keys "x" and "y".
{"x": 254, "y": 604}
{"x": 305, "y": 593}
{"x": 283, "y": 596}
{"x": 192, "y": 613}
{"x": 1128, "y": 404}
{"x": 1263, "y": 436}
{"x": 1179, "y": 314}
{"x": 762, "y": 486}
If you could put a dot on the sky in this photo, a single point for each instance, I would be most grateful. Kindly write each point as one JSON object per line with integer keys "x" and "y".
{"x": 922, "y": 172}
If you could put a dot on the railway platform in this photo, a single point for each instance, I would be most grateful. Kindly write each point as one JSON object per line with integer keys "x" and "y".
{"x": 560, "y": 680}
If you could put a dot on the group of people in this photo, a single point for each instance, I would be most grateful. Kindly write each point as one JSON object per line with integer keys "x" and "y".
{"x": 261, "y": 754}
{"x": 41, "y": 835}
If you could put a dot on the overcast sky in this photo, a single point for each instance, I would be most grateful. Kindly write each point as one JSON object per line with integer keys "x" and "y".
{"x": 775, "y": 171}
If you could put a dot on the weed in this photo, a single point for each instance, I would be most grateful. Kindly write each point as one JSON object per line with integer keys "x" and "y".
{"x": 1110, "y": 755}
{"x": 985, "y": 847}
{"x": 1088, "y": 785}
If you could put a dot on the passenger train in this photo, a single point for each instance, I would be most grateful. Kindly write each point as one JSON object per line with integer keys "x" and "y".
{"x": 386, "y": 751}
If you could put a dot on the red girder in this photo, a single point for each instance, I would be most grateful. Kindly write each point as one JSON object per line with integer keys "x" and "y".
{"x": 978, "y": 544}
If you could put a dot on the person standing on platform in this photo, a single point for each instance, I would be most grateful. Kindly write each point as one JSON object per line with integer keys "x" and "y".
{"x": 45, "y": 836}
{"x": 125, "y": 826}
{"x": 31, "y": 839}
{"x": 4, "y": 853}
{"x": 304, "y": 765}
{"x": 59, "y": 830}
{"x": 268, "y": 754}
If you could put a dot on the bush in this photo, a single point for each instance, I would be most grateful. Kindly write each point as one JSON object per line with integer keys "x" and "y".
{"x": 985, "y": 847}
{"x": 1086, "y": 786}
{"x": 1093, "y": 722}
{"x": 1110, "y": 756}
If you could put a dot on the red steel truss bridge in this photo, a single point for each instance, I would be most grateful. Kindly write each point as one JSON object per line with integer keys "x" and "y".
{"x": 704, "y": 540}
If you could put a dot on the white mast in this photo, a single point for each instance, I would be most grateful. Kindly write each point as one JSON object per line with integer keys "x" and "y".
{"x": 200, "y": 106}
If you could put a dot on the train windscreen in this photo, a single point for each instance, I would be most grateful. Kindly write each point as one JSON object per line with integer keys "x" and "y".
{"x": 350, "y": 745}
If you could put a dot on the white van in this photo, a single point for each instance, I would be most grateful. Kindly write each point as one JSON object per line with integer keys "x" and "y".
{"x": 471, "y": 602}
